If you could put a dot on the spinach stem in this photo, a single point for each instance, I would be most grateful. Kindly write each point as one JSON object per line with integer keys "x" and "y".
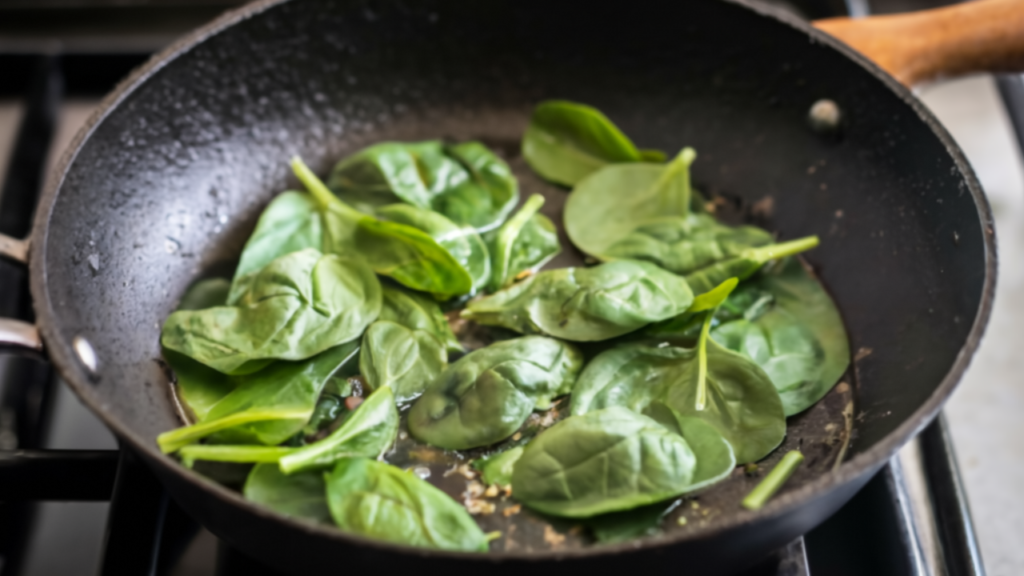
{"x": 323, "y": 195}
{"x": 675, "y": 198}
{"x": 228, "y": 453}
{"x": 181, "y": 437}
{"x": 783, "y": 249}
{"x": 702, "y": 360}
{"x": 506, "y": 236}
{"x": 773, "y": 481}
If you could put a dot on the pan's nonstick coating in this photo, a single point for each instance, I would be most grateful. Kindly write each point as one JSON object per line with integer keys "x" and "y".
{"x": 167, "y": 182}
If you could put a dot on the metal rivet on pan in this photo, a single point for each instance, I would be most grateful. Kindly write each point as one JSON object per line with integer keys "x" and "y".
{"x": 825, "y": 116}
{"x": 87, "y": 356}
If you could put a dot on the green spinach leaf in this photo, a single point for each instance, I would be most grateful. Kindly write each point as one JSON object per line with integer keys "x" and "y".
{"x": 463, "y": 243}
{"x": 302, "y": 496}
{"x": 798, "y": 338}
{"x": 685, "y": 245}
{"x": 367, "y": 432}
{"x": 266, "y": 407}
{"x": 402, "y": 252}
{"x": 525, "y": 242}
{"x": 586, "y": 304}
{"x": 486, "y": 395}
{"x": 401, "y": 359}
{"x": 205, "y": 294}
{"x": 465, "y": 182}
{"x": 384, "y": 502}
{"x": 715, "y": 457}
{"x": 746, "y": 263}
{"x": 291, "y": 222}
{"x": 739, "y": 399}
{"x": 497, "y": 468}
{"x": 613, "y": 202}
{"x": 416, "y": 311}
{"x": 603, "y": 461}
{"x": 199, "y": 387}
{"x": 297, "y": 306}
{"x": 566, "y": 141}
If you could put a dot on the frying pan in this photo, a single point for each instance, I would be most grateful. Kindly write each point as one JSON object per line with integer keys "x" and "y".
{"x": 167, "y": 179}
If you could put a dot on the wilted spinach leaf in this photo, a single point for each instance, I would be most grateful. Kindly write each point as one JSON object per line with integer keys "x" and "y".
{"x": 684, "y": 245}
{"x": 613, "y": 202}
{"x": 497, "y": 468}
{"x": 746, "y": 263}
{"x": 205, "y": 294}
{"x": 465, "y": 182}
{"x": 367, "y": 432}
{"x": 798, "y": 338}
{"x": 417, "y": 312}
{"x": 266, "y": 407}
{"x": 725, "y": 389}
{"x": 586, "y": 304}
{"x": 525, "y": 242}
{"x": 381, "y": 501}
{"x": 566, "y": 141}
{"x": 401, "y": 359}
{"x": 297, "y": 306}
{"x": 402, "y": 252}
{"x": 603, "y": 461}
{"x": 291, "y": 222}
{"x": 301, "y": 495}
{"x": 463, "y": 243}
{"x": 486, "y": 395}
{"x": 715, "y": 457}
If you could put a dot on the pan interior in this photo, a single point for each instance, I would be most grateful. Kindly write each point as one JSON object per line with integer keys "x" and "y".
{"x": 169, "y": 185}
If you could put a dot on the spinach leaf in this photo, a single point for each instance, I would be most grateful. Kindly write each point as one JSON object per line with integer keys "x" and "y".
{"x": 525, "y": 242}
{"x": 205, "y": 294}
{"x": 463, "y": 243}
{"x": 199, "y": 387}
{"x": 566, "y": 141}
{"x": 486, "y": 395}
{"x": 302, "y": 496}
{"x": 417, "y": 312}
{"x": 401, "y": 359}
{"x": 739, "y": 399}
{"x": 402, "y": 252}
{"x": 384, "y": 502}
{"x": 586, "y": 304}
{"x": 297, "y": 306}
{"x": 291, "y": 222}
{"x": 798, "y": 338}
{"x": 715, "y": 457}
{"x": 267, "y": 407}
{"x": 465, "y": 182}
{"x": 715, "y": 461}
{"x": 497, "y": 468}
{"x": 746, "y": 263}
{"x": 367, "y": 432}
{"x": 613, "y": 202}
{"x": 603, "y": 461}
{"x": 685, "y": 245}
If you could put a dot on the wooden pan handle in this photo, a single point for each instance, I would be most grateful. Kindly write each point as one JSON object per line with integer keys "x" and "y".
{"x": 978, "y": 36}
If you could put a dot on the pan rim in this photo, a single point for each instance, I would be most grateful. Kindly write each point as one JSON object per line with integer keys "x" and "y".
{"x": 61, "y": 352}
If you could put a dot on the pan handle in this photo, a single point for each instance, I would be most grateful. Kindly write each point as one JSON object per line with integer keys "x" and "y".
{"x": 978, "y": 36}
{"x": 16, "y": 335}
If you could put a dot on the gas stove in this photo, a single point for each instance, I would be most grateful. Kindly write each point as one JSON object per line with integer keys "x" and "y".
{"x": 73, "y": 502}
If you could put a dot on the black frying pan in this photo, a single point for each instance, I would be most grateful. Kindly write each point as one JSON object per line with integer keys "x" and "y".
{"x": 169, "y": 176}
